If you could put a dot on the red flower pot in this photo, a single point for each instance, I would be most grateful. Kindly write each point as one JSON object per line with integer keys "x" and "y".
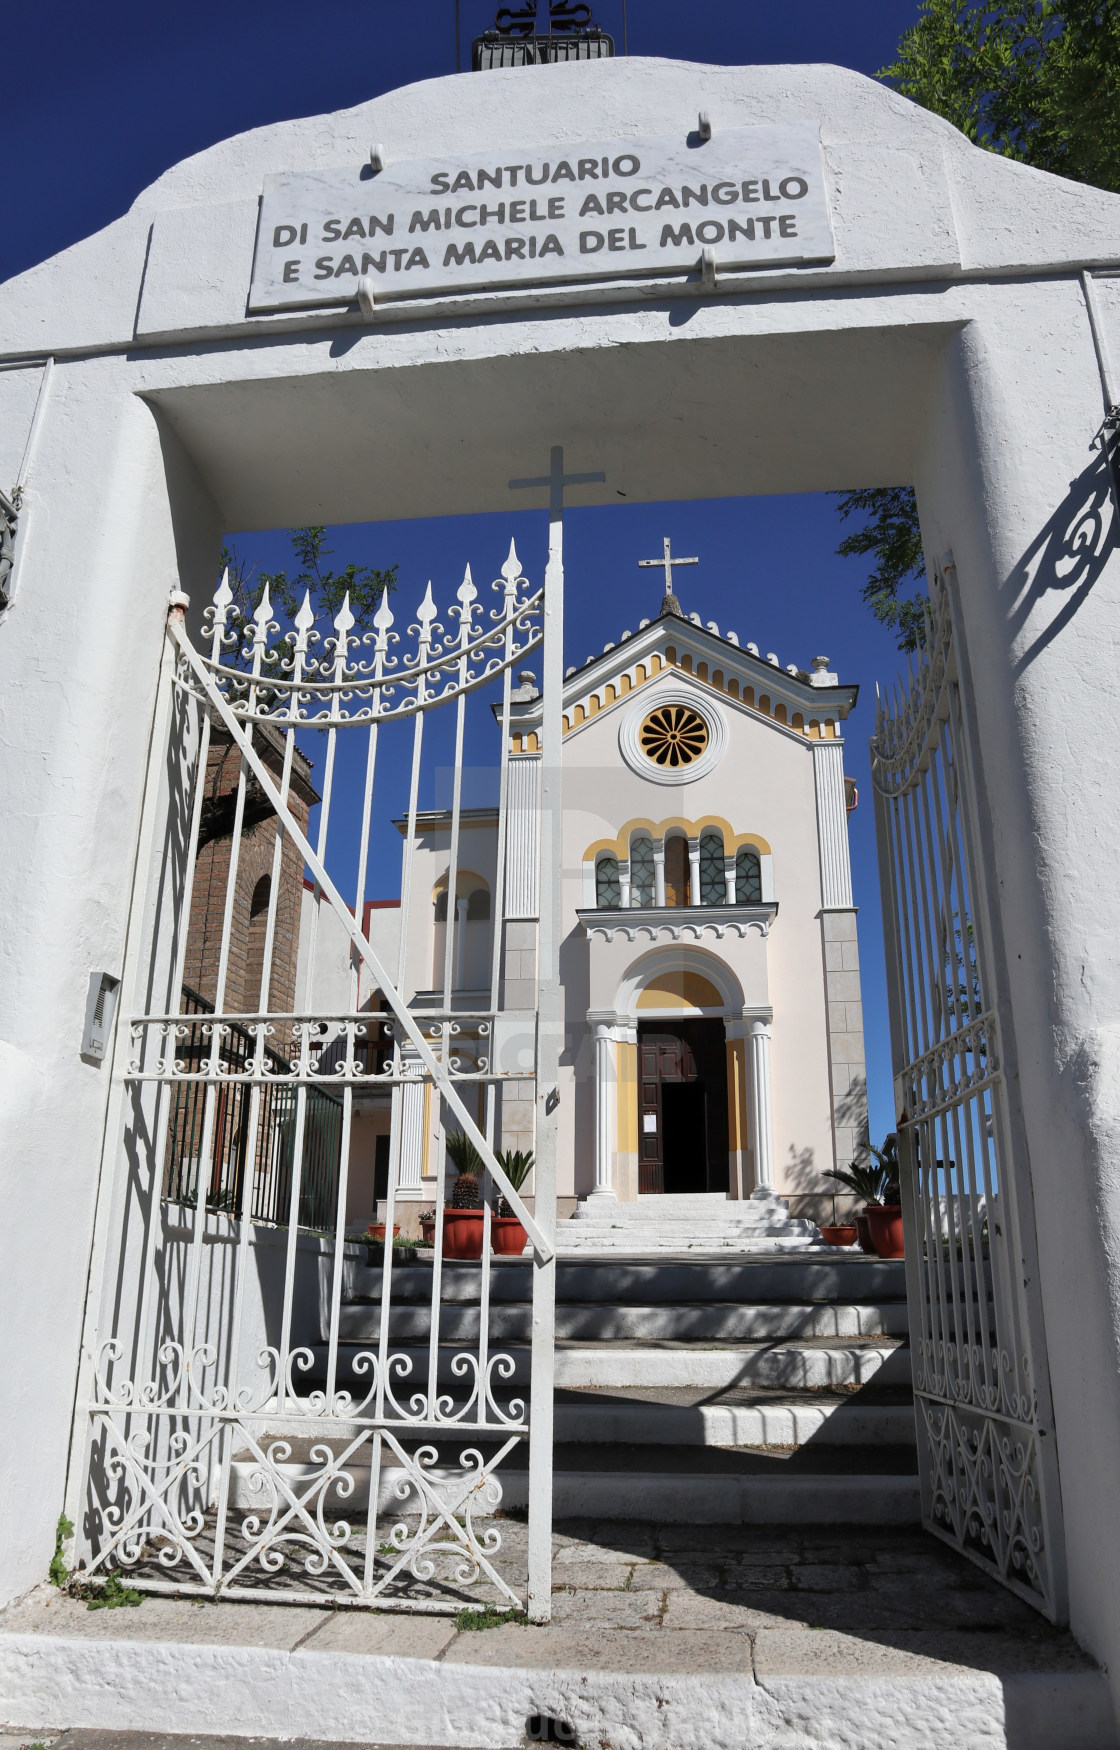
{"x": 863, "y": 1234}
{"x": 462, "y": 1233}
{"x": 507, "y": 1236}
{"x": 376, "y": 1231}
{"x": 428, "y": 1230}
{"x": 839, "y": 1235}
{"x": 885, "y": 1223}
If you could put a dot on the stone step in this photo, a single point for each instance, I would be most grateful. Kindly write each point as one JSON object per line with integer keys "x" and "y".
{"x": 668, "y": 1206}
{"x": 736, "y": 1418}
{"x": 730, "y": 1635}
{"x": 595, "y": 1240}
{"x": 817, "y": 1276}
{"x": 675, "y": 1485}
{"x": 714, "y": 1321}
{"x": 811, "y": 1364}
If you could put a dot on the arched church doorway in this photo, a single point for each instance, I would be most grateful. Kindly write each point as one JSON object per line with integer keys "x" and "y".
{"x": 682, "y": 1107}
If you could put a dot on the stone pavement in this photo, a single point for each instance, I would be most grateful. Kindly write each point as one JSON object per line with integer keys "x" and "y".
{"x": 768, "y": 1602}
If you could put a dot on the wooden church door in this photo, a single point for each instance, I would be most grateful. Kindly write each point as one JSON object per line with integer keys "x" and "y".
{"x": 682, "y": 1107}
{"x": 663, "y": 1057}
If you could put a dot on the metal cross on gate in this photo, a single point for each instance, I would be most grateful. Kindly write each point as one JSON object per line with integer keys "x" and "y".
{"x": 670, "y": 604}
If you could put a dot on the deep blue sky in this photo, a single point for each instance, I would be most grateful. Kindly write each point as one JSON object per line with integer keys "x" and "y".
{"x": 101, "y": 99}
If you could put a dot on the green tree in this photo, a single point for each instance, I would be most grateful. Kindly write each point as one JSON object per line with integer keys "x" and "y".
{"x": 363, "y": 583}
{"x": 1037, "y": 82}
{"x": 892, "y": 536}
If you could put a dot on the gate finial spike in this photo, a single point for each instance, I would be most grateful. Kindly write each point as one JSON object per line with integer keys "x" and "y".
{"x": 467, "y": 591}
{"x": 216, "y": 615}
{"x": 383, "y": 619}
{"x": 304, "y": 620}
{"x": 511, "y": 570}
{"x": 262, "y": 619}
{"x": 343, "y": 624}
{"x": 426, "y": 612}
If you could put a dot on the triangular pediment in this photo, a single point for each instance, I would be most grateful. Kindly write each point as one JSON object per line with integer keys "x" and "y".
{"x": 790, "y": 698}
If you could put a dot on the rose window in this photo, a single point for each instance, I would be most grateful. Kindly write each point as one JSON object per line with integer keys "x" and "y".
{"x": 673, "y": 736}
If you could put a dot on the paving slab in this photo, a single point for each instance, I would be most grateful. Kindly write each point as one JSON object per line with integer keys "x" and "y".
{"x": 96, "y": 1740}
{"x": 384, "y": 1634}
{"x": 800, "y": 1635}
{"x": 190, "y": 1621}
{"x": 573, "y": 1649}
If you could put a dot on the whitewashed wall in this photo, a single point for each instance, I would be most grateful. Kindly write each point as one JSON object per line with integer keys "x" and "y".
{"x": 947, "y": 344}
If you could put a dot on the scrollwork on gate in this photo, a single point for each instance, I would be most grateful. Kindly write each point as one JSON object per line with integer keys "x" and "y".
{"x": 985, "y": 1428}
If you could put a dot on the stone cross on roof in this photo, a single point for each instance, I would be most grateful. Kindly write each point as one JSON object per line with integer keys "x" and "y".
{"x": 670, "y": 604}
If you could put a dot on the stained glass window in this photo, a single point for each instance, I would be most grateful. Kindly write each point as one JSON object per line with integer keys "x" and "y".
{"x": 641, "y": 870}
{"x": 748, "y": 877}
{"x": 713, "y": 881}
{"x": 608, "y": 892}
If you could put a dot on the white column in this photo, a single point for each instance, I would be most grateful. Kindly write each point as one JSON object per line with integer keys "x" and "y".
{"x": 659, "y": 871}
{"x": 624, "y": 883}
{"x": 523, "y": 837}
{"x": 729, "y": 880}
{"x": 412, "y": 1139}
{"x": 461, "y": 941}
{"x": 694, "y": 871}
{"x": 762, "y": 1129}
{"x": 832, "y": 824}
{"x": 604, "y": 1112}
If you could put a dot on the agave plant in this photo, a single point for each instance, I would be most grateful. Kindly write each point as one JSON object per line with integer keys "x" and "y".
{"x": 875, "y": 1181}
{"x": 516, "y": 1164}
{"x": 467, "y": 1162}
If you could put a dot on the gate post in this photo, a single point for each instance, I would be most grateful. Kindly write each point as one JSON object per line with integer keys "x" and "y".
{"x": 1012, "y": 481}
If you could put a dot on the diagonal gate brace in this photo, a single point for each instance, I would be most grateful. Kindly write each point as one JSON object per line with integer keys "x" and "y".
{"x": 541, "y": 1246}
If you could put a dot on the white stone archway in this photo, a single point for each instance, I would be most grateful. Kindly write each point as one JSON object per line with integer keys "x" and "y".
{"x": 747, "y": 1035}
{"x": 959, "y": 341}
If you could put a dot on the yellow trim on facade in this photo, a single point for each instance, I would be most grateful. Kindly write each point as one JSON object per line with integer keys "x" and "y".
{"x": 466, "y": 881}
{"x": 659, "y": 829}
{"x": 679, "y": 989}
{"x": 426, "y": 1170}
{"x": 626, "y": 1098}
{"x": 621, "y": 684}
{"x": 737, "y": 1129}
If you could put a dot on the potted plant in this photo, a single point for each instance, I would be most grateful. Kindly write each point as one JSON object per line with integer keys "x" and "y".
{"x": 868, "y": 1180}
{"x": 884, "y": 1218}
{"x": 428, "y": 1226}
{"x": 839, "y": 1233}
{"x": 463, "y": 1216}
{"x": 507, "y": 1236}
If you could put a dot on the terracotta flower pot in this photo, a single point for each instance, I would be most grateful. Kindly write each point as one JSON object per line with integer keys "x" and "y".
{"x": 462, "y": 1233}
{"x": 863, "y": 1234}
{"x": 428, "y": 1230}
{"x": 840, "y": 1235}
{"x": 376, "y": 1232}
{"x": 885, "y": 1222}
{"x": 507, "y": 1236}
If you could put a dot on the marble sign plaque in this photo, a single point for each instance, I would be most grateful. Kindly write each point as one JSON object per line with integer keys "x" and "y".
{"x": 755, "y": 196}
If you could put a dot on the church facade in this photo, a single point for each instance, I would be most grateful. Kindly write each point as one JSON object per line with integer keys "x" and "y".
{"x": 713, "y": 1030}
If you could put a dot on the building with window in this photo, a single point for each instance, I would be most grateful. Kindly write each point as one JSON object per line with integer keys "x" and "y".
{"x": 712, "y": 1015}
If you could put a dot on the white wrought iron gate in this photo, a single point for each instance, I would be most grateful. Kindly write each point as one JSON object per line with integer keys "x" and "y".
{"x": 986, "y": 1447}
{"x": 263, "y": 1413}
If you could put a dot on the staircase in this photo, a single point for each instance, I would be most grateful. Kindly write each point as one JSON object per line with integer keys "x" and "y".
{"x": 766, "y": 1389}
{"x": 702, "y": 1222}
